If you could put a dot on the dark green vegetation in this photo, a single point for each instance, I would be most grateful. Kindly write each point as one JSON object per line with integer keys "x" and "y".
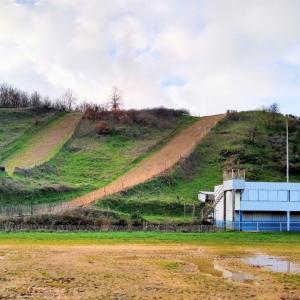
{"x": 221, "y": 239}
{"x": 251, "y": 140}
{"x": 91, "y": 159}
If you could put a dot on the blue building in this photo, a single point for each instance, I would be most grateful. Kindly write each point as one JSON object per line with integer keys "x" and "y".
{"x": 253, "y": 206}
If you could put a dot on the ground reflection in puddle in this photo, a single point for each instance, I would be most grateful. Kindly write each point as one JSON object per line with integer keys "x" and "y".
{"x": 234, "y": 276}
{"x": 272, "y": 263}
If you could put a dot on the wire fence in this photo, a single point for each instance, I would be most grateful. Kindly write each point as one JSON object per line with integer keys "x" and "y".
{"x": 9, "y": 227}
{"x": 32, "y": 209}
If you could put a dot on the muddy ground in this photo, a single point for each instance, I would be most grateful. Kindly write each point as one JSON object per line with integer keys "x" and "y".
{"x": 136, "y": 272}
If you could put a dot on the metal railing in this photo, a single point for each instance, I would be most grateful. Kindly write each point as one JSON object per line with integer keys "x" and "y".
{"x": 259, "y": 226}
{"x": 234, "y": 174}
{"x": 209, "y": 206}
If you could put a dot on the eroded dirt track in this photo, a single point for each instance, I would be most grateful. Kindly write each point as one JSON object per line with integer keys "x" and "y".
{"x": 131, "y": 272}
{"x": 45, "y": 144}
{"x": 166, "y": 158}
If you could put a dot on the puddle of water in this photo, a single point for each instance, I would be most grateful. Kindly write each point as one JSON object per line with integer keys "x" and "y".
{"x": 234, "y": 276}
{"x": 272, "y": 263}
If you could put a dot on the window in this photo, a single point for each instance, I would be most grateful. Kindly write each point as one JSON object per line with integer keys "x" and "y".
{"x": 282, "y": 195}
{"x": 245, "y": 195}
{"x": 263, "y": 195}
{"x": 253, "y": 195}
{"x": 273, "y": 195}
{"x": 295, "y": 196}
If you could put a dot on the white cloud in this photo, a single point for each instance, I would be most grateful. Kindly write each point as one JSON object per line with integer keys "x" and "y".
{"x": 213, "y": 54}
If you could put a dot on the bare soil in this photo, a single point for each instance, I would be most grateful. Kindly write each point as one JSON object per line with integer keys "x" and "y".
{"x": 167, "y": 157}
{"x": 45, "y": 144}
{"x": 131, "y": 272}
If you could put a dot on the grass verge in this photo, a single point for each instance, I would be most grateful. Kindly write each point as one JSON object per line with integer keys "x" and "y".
{"x": 209, "y": 239}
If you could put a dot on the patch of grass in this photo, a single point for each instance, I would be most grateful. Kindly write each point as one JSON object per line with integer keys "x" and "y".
{"x": 290, "y": 281}
{"x": 219, "y": 239}
{"x": 18, "y": 126}
{"x": 45, "y": 143}
{"x": 169, "y": 265}
{"x": 168, "y": 219}
{"x": 150, "y": 207}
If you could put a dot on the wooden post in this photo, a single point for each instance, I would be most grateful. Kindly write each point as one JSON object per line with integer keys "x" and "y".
{"x": 224, "y": 213}
{"x": 193, "y": 211}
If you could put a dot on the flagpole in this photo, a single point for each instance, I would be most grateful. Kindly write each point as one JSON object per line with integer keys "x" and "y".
{"x": 287, "y": 151}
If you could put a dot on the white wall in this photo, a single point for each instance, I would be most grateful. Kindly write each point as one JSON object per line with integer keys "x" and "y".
{"x": 219, "y": 210}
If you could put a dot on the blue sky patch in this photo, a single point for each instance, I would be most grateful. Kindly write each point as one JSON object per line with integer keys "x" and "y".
{"x": 173, "y": 80}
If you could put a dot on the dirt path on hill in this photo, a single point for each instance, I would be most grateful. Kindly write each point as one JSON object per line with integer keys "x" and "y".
{"x": 167, "y": 157}
{"x": 45, "y": 144}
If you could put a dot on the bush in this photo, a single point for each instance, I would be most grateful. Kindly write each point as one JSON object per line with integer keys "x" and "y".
{"x": 102, "y": 127}
{"x": 78, "y": 216}
{"x": 137, "y": 208}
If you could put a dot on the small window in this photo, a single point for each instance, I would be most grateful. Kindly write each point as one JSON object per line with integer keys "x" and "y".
{"x": 263, "y": 195}
{"x": 273, "y": 195}
{"x": 295, "y": 196}
{"x": 253, "y": 195}
{"x": 282, "y": 195}
{"x": 245, "y": 195}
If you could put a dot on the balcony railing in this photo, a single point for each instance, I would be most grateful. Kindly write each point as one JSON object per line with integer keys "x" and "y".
{"x": 234, "y": 174}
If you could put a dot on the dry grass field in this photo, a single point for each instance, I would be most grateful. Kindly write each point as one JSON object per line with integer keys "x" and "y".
{"x": 107, "y": 269}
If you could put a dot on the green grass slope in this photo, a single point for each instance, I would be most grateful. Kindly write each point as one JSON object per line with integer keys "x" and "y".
{"x": 251, "y": 140}
{"x": 18, "y": 125}
{"x": 90, "y": 160}
{"x": 44, "y": 144}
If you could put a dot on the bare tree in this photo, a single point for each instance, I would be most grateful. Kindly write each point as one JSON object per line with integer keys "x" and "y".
{"x": 273, "y": 108}
{"x": 116, "y": 99}
{"x": 69, "y": 100}
{"x": 35, "y": 100}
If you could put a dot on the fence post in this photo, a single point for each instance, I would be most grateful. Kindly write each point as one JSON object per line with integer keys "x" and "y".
{"x": 257, "y": 229}
{"x": 193, "y": 211}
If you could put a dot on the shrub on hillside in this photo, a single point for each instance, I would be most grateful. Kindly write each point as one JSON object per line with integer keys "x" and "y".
{"x": 140, "y": 207}
{"x": 156, "y": 117}
{"x": 78, "y": 216}
{"x": 103, "y": 127}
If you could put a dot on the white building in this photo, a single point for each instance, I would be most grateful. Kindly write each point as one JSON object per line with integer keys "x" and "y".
{"x": 256, "y": 206}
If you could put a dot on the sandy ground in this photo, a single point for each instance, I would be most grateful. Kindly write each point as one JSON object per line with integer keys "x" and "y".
{"x": 45, "y": 144}
{"x": 164, "y": 159}
{"x": 133, "y": 272}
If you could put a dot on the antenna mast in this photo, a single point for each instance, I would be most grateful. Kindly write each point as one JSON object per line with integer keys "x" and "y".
{"x": 287, "y": 151}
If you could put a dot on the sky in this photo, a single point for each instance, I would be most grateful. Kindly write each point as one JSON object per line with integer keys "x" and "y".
{"x": 203, "y": 55}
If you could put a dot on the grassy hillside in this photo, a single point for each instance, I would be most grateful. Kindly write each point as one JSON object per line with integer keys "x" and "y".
{"x": 251, "y": 140}
{"x": 18, "y": 125}
{"x": 44, "y": 144}
{"x": 91, "y": 159}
